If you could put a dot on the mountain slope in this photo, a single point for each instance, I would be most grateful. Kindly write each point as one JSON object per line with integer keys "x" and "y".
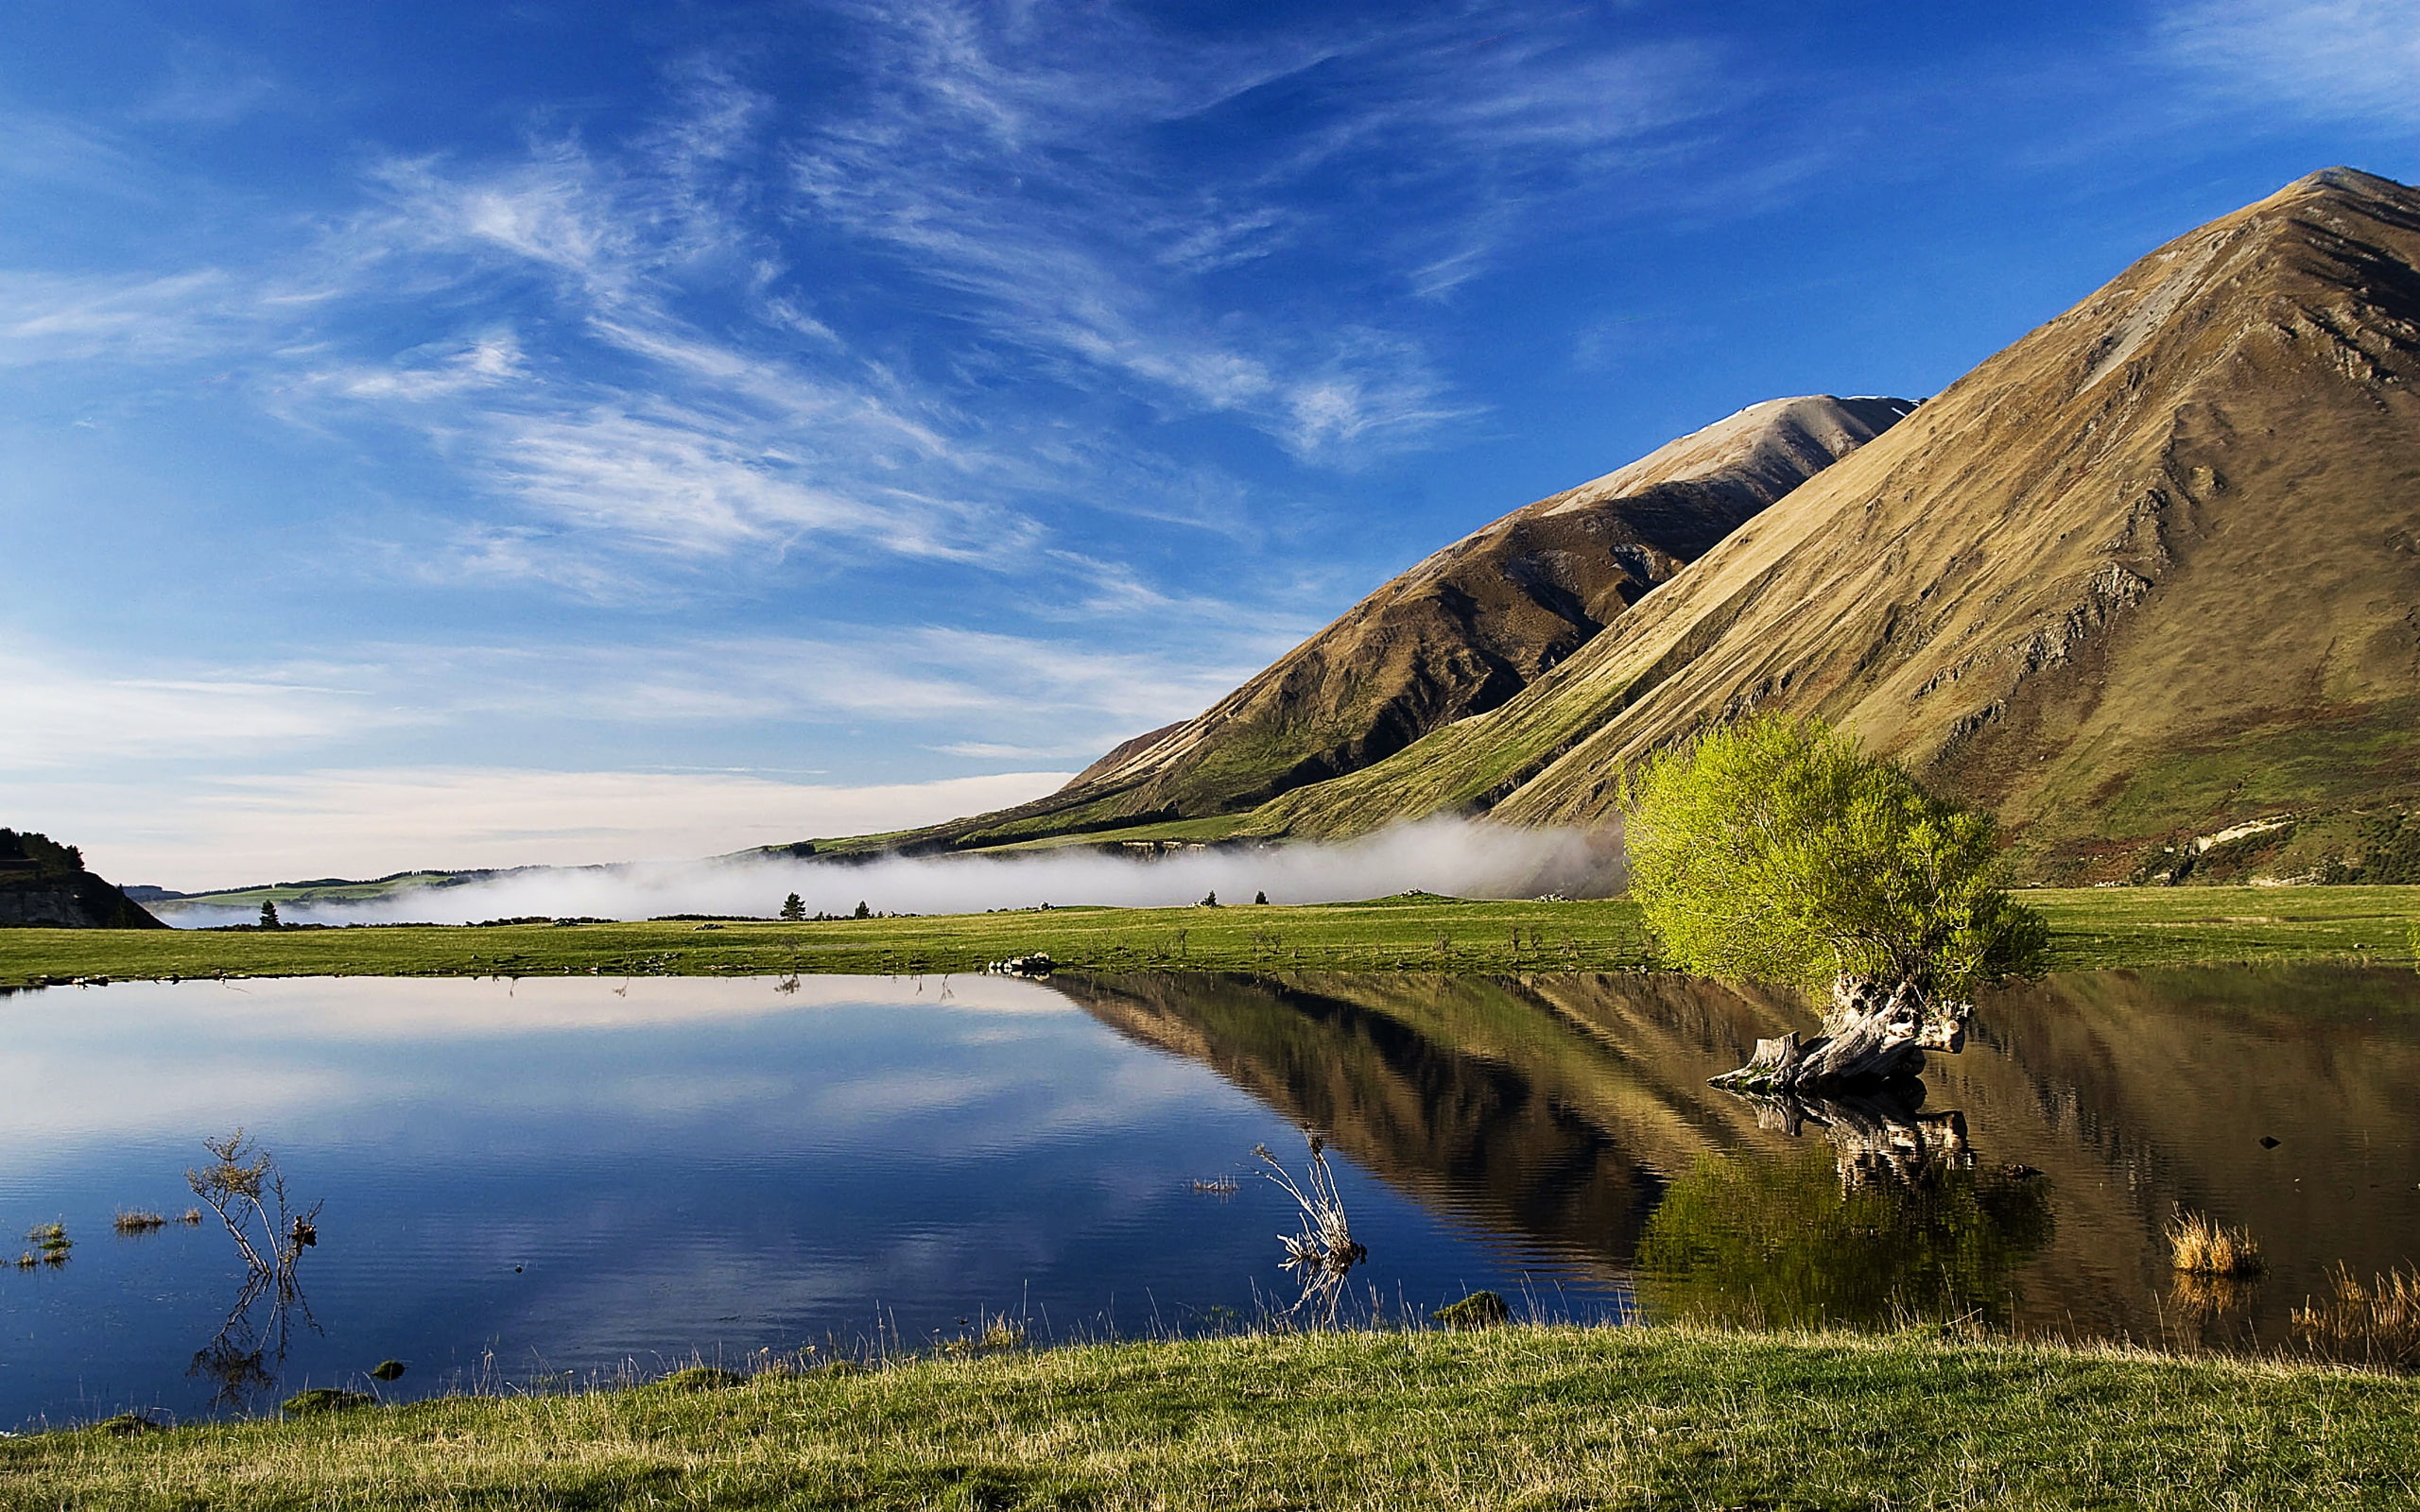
{"x": 1459, "y": 633}
{"x": 2149, "y": 574}
{"x": 44, "y": 885}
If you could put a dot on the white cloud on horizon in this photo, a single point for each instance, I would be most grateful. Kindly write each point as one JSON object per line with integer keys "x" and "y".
{"x": 1460, "y": 857}
{"x": 371, "y": 822}
{"x": 993, "y": 694}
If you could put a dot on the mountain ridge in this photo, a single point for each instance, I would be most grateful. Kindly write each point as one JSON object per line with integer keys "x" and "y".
{"x": 2003, "y": 590}
{"x": 1458, "y": 634}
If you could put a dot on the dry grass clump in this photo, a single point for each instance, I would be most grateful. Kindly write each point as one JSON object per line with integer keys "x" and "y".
{"x": 992, "y": 1330}
{"x": 51, "y": 1245}
{"x": 2380, "y": 1320}
{"x": 131, "y": 1221}
{"x": 2196, "y": 1244}
{"x": 1324, "y": 1252}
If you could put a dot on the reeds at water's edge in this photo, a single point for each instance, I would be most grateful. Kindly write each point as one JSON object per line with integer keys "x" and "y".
{"x": 2199, "y": 1244}
{"x": 2378, "y": 1320}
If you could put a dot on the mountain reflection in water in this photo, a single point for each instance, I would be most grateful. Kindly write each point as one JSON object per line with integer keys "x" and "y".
{"x": 531, "y": 1180}
{"x": 2027, "y": 1188}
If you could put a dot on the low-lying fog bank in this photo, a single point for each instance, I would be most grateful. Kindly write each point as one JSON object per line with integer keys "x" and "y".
{"x": 1453, "y": 856}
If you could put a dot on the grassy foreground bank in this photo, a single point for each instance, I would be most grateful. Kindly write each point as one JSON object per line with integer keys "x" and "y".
{"x": 1509, "y": 1417}
{"x": 2090, "y": 928}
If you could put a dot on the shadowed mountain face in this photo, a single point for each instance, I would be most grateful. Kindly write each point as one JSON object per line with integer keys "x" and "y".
{"x": 1460, "y": 634}
{"x": 43, "y": 884}
{"x": 2150, "y": 573}
{"x": 1484, "y": 1097}
{"x": 1572, "y": 1112}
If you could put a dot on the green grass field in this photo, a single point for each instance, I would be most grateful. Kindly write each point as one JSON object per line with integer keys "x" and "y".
{"x": 1526, "y": 1418}
{"x": 2092, "y": 928}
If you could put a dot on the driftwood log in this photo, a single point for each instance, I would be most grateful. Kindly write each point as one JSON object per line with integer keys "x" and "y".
{"x": 1874, "y": 1034}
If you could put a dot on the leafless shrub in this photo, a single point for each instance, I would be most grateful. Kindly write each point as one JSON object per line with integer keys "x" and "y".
{"x": 1325, "y": 1253}
{"x": 243, "y": 1185}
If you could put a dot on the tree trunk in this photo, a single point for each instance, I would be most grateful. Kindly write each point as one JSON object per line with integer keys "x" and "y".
{"x": 1872, "y": 1035}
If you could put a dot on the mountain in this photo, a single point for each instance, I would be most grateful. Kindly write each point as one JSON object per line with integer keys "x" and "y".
{"x": 1456, "y": 635}
{"x": 2147, "y": 583}
{"x": 45, "y": 883}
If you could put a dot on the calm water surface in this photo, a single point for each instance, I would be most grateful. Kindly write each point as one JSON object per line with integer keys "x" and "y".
{"x": 567, "y": 1177}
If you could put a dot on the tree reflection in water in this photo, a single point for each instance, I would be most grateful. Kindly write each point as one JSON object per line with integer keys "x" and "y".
{"x": 1898, "y": 1225}
{"x": 244, "y": 1186}
{"x": 242, "y": 1360}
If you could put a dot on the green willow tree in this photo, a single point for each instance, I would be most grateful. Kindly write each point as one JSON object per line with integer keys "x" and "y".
{"x": 1774, "y": 851}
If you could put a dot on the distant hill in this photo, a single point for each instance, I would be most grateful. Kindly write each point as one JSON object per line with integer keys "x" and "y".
{"x": 321, "y": 892}
{"x": 45, "y": 883}
{"x": 1459, "y": 634}
{"x": 2147, "y": 583}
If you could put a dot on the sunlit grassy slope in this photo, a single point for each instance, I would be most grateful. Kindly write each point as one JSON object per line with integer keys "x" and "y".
{"x": 1508, "y": 1418}
{"x": 2098, "y": 927}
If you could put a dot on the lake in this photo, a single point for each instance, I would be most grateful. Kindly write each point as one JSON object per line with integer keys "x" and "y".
{"x": 551, "y": 1181}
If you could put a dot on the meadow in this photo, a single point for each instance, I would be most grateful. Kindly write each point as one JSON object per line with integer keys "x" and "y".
{"x": 2091, "y": 929}
{"x": 1514, "y": 1416}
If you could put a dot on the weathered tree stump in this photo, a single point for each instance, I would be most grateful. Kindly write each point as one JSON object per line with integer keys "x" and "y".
{"x": 1872, "y": 1035}
{"x": 1879, "y": 1138}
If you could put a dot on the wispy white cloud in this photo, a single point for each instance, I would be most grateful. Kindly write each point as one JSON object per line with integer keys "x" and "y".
{"x": 208, "y": 85}
{"x": 38, "y": 147}
{"x": 987, "y": 688}
{"x": 62, "y": 715}
{"x": 445, "y": 371}
{"x": 992, "y": 694}
{"x": 48, "y": 317}
{"x": 638, "y": 388}
{"x": 2343, "y": 58}
{"x": 1002, "y": 154}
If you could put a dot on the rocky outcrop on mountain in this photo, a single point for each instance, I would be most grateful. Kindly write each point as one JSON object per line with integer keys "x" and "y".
{"x": 45, "y": 883}
{"x": 1457, "y": 634}
{"x": 2149, "y": 574}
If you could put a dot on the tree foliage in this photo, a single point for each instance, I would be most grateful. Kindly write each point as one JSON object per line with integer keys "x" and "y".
{"x": 1774, "y": 851}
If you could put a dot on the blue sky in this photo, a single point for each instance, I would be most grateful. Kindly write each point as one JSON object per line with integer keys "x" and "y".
{"x": 474, "y": 434}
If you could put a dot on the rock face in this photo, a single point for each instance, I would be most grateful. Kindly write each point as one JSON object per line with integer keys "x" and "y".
{"x": 43, "y": 884}
{"x": 1462, "y": 632}
{"x": 2148, "y": 575}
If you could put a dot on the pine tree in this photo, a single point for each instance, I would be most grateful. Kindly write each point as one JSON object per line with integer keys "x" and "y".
{"x": 269, "y": 913}
{"x": 793, "y": 907}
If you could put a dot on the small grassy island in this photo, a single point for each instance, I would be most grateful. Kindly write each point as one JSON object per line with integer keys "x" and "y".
{"x": 1518, "y": 1416}
{"x": 2090, "y": 929}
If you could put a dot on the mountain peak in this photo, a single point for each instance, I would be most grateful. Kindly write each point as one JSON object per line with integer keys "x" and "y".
{"x": 2146, "y": 575}
{"x": 1780, "y": 441}
{"x": 2345, "y": 181}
